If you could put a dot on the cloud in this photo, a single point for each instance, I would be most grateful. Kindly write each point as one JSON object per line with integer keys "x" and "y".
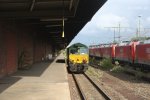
{"x": 100, "y": 22}
{"x": 110, "y": 20}
{"x": 113, "y": 12}
{"x": 148, "y": 19}
{"x": 95, "y": 31}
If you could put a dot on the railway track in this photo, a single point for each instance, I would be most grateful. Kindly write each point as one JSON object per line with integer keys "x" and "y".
{"x": 87, "y": 89}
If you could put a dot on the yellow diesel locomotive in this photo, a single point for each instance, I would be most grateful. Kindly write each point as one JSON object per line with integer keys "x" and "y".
{"x": 77, "y": 58}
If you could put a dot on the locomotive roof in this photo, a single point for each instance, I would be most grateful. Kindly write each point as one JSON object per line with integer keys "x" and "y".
{"x": 77, "y": 45}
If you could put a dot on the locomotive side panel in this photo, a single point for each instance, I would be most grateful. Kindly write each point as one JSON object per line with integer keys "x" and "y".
{"x": 91, "y": 52}
{"x": 106, "y": 51}
{"x": 97, "y": 52}
{"x": 123, "y": 53}
{"x": 143, "y": 54}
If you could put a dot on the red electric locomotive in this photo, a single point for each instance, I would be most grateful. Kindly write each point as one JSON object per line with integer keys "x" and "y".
{"x": 134, "y": 53}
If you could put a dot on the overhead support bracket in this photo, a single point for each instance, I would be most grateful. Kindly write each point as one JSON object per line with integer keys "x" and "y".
{"x": 32, "y": 5}
{"x": 71, "y": 3}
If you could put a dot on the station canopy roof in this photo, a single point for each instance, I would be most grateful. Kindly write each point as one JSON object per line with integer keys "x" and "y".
{"x": 48, "y": 15}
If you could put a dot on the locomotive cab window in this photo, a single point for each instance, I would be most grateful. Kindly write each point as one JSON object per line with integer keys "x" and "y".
{"x": 83, "y": 51}
{"x": 73, "y": 51}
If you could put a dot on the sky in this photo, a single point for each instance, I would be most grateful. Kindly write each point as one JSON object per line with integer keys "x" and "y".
{"x": 130, "y": 14}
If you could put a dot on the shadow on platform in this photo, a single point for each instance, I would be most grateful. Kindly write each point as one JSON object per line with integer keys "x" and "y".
{"x": 60, "y": 61}
{"x": 8, "y": 81}
{"x": 36, "y": 70}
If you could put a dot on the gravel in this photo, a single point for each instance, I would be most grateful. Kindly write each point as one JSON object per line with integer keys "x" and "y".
{"x": 119, "y": 86}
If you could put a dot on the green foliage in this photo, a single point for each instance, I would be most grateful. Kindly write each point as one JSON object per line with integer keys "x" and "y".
{"x": 94, "y": 72}
{"x": 117, "y": 69}
{"x": 106, "y": 63}
{"x": 91, "y": 60}
{"x": 139, "y": 74}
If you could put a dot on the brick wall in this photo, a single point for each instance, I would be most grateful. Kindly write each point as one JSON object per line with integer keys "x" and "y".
{"x": 2, "y": 54}
{"x": 20, "y": 47}
{"x": 25, "y": 48}
{"x": 11, "y": 49}
{"x": 8, "y": 49}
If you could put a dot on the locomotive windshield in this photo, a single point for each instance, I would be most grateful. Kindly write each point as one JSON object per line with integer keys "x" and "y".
{"x": 79, "y": 51}
{"x": 83, "y": 50}
{"x": 78, "y": 48}
{"x": 73, "y": 51}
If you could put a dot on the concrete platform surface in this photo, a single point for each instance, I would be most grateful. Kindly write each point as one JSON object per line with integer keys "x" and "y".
{"x": 44, "y": 81}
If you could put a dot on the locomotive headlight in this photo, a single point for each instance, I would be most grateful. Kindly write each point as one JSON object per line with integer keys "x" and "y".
{"x": 72, "y": 61}
{"x": 84, "y": 61}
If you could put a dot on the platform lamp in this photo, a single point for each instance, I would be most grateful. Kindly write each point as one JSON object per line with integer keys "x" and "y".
{"x": 63, "y": 23}
{"x": 63, "y": 34}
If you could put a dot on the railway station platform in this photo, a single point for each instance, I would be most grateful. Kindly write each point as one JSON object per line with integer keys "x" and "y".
{"x": 43, "y": 81}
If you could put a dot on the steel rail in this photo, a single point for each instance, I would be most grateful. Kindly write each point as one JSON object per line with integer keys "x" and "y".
{"x": 97, "y": 88}
{"x": 81, "y": 93}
